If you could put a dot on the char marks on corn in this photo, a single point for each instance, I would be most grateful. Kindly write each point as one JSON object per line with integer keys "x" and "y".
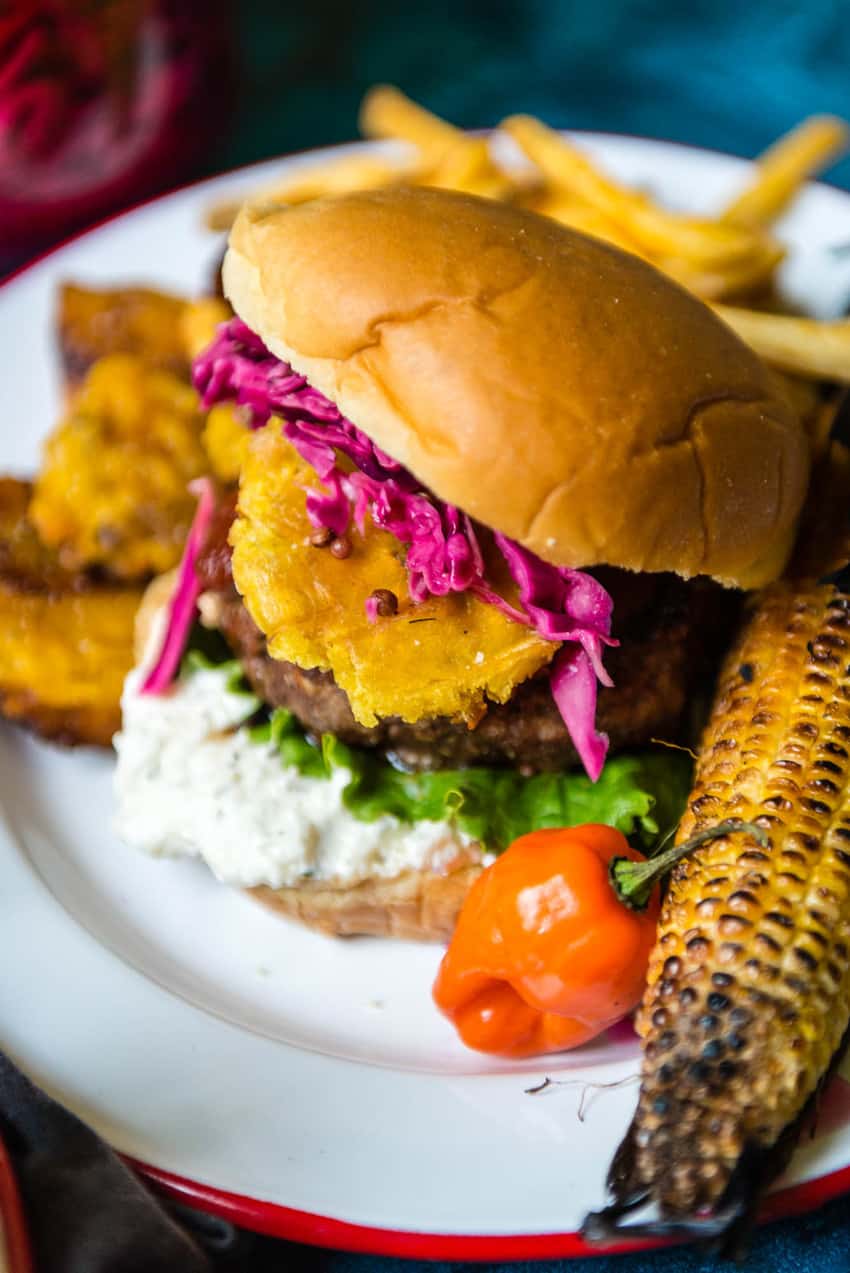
{"x": 748, "y": 994}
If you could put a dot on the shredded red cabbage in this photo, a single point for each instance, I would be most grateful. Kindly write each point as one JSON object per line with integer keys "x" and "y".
{"x": 181, "y": 609}
{"x": 237, "y": 367}
{"x": 443, "y": 552}
{"x": 573, "y": 684}
{"x": 573, "y": 607}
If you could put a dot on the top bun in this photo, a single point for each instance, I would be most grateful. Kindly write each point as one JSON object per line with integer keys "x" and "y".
{"x": 555, "y": 388}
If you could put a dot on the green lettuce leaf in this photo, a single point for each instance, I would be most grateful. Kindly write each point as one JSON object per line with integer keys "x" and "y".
{"x": 207, "y": 652}
{"x": 642, "y": 793}
{"x": 283, "y": 731}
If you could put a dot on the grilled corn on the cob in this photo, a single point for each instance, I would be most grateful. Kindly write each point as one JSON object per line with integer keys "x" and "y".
{"x": 748, "y": 994}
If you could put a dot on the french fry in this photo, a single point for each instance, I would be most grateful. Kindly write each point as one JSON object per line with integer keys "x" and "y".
{"x": 746, "y": 277}
{"x": 442, "y": 156}
{"x": 449, "y": 157}
{"x": 582, "y": 216}
{"x": 467, "y": 166}
{"x": 817, "y": 350}
{"x": 340, "y": 176}
{"x": 710, "y": 245}
{"x": 815, "y": 412}
{"x": 783, "y": 168}
{"x": 387, "y": 113}
{"x": 719, "y": 259}
{"x": 709, "y": 286}
{"x": 740, "y": 279}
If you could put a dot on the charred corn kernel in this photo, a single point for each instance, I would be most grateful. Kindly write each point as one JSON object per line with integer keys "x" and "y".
{"x": 748, "y": 992}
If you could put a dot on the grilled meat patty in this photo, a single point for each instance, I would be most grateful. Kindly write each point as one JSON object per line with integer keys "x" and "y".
{"x": 661, "y": 622}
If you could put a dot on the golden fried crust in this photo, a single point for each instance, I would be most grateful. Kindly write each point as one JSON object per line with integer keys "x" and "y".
{"x": 132, "y": 320}
{"x": 66, "y": 640}
{"x": 199, "y": 321}
{"x": 439, "y": 659}
{"x": 91, "y": 725}
{"x": 226, "y": 441}
{"x": 415, "y": 906}
{"x": 113, "y": 492}
{"x": 25, "y": 562}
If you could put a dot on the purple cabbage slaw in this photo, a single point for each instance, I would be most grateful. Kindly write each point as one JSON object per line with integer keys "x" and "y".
{"x": 443, "y": 552}
{"x": 183, "y": 603}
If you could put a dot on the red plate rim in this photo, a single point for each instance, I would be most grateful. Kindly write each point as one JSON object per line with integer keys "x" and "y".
{"x": 306, "y": 1227}
{"x": 14, "y": 1238}
{"x": 277, "y": 1221}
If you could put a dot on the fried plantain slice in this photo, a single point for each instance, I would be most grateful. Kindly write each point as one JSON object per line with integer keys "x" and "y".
{"x": 25, "y": 562}
{"x": 198, "y": 323}
{"x": 226, "y": 440}
{"x": 113, "y": 490}
{"x": 165, "y": 331}
{"x": 225, "y": 434}
{"x": 440, "y": 658}
{"x": 66, "y": 639}
{"x": 94, "y": 322}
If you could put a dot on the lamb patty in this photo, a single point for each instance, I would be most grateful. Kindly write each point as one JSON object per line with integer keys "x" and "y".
{"x": 659, "y": 619}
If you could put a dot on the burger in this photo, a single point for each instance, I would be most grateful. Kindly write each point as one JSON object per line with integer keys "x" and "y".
{"x": 499, "y": 484}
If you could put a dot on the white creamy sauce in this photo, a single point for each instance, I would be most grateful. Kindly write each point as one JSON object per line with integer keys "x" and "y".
{"x": 189, "y": 782}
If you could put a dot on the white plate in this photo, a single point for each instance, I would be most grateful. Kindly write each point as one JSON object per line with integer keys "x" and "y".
{"x": 301, "y": 1085}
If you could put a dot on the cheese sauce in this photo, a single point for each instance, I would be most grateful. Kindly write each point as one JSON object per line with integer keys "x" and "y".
{"x": 191, "y": 783}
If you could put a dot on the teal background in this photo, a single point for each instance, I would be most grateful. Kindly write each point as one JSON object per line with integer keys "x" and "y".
{"x": 727, "y": 74}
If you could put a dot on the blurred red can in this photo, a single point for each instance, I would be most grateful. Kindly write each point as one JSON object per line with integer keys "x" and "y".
{"x": 101, "y": 103}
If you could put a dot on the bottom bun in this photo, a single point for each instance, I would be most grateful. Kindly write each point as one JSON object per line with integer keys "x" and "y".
{"x": 416, "y": 906}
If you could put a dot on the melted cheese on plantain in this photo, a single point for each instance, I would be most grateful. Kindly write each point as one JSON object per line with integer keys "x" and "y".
{"x": 440, "y": 658}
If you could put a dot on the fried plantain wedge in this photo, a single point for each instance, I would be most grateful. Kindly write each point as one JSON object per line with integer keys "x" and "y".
{"x": 93, "y": 323}
{"x": 113, "y": 490}
{"x": 66, "y": 639}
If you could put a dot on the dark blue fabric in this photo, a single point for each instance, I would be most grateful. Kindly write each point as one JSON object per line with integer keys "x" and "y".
{"x": 85, "y": 1211}
{"x": 820, "y": 1245}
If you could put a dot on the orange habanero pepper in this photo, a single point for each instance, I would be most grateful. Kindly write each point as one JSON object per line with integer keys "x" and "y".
{"x": 552, "y": 944}
{"x": 545, "y": 954}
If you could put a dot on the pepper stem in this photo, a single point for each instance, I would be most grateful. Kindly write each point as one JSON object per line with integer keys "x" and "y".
{"x": 633, "y": 882}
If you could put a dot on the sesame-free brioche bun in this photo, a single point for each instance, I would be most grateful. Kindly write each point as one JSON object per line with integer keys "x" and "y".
{"x": 416, "y": 905}
{"x": 555, "y": 388}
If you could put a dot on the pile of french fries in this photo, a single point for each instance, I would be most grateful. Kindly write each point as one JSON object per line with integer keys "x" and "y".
{"x": 728, "y": 257}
